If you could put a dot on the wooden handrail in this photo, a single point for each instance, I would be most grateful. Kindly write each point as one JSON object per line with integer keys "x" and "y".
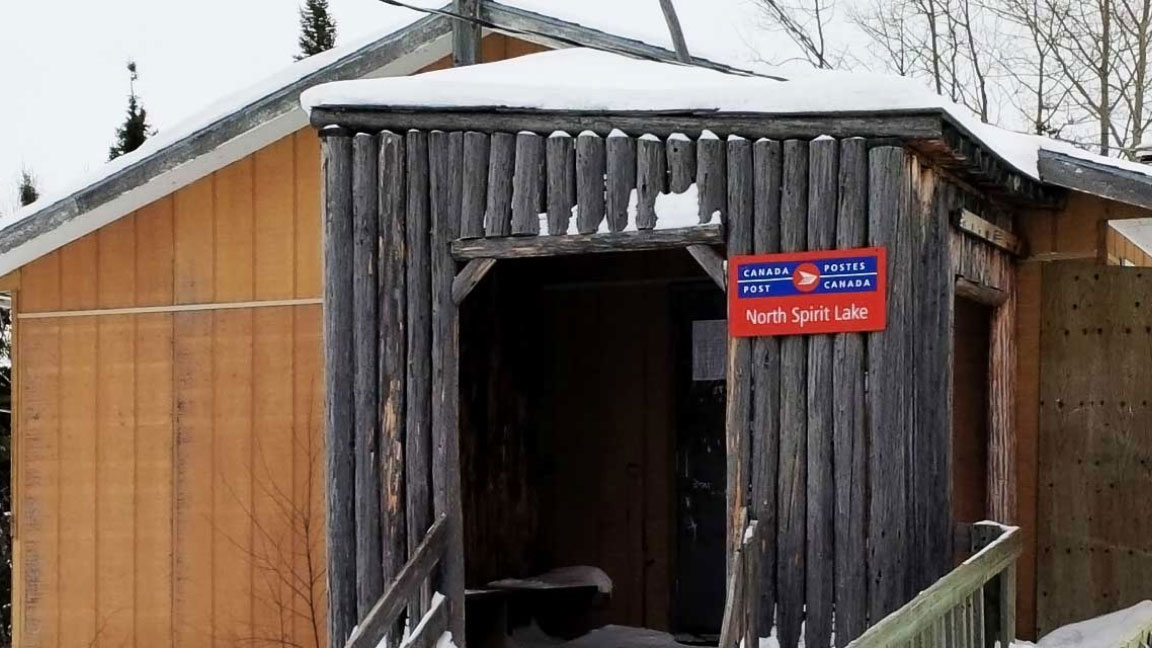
{"x": 383, "y": 616}
{"x": 930, "y": 607}
{"x": 434, "y": 624}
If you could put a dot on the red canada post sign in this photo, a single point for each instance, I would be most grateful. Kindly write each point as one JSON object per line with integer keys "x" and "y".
{"x": 805, "y": 293}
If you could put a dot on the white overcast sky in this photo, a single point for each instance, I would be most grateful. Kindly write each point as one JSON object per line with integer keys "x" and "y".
{"x": 63, "y": 83}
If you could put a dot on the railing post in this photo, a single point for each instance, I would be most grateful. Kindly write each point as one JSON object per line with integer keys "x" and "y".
{"x": 999, "y": 594}
{"x": 1007, "y": 610}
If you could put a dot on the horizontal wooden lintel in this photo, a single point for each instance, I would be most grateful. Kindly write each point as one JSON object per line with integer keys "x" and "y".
{"x": 973, "y": 225}
{"x": 175, "y": 308}
{"x": 518, "y": 247}
{"x": 980, "y": 293}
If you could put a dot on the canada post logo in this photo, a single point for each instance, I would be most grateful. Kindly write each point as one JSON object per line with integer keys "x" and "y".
{"x": 829, "y": 291}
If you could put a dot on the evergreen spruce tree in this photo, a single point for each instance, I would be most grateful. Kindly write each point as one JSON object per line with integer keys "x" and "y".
{"x": 135, "y": 129}
{"x": 27, "y": 193}
{"x": 317, "y": 29}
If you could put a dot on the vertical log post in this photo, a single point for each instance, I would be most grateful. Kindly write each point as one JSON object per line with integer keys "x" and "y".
{"x": 767, "y": 158}
{"x": 710, "y": 177}
{"x": 849, "y": 450}
{"x": 339, "y": 379}
{"x": 887, "y": 203}
{"x": 502, "y": 154}
{"x": 365, "y": 343}
{"x": 528, "y": 184}
{"x": 823, "y": 163}
{"x": 590, "y": 167}
{"x": 475, "y": 185}
{"x": 393, "y": 363}
{"x": 739, "y": 379}
{"x": 793, "y": 412}
{"x": 466, "y": 33}
{"x": 651, "y": 179}
{"x": 621, "y": 171}
{"x": 446, "y": 166}
{"x": 561, "y": 154}
{"x": 418, "y": 414}
{"x": 681, "y": 153}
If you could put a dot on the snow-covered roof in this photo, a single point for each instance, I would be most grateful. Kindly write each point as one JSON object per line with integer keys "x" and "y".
{"x": 601, "y": 82}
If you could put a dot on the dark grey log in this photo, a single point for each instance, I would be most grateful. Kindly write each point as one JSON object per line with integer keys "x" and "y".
{"x": 621, "y": 179}
{"x": 738, "y": 416}
{"x": 651, "y": 179}
{"x": 823, "y": 164}
{"x": 561, "y": 153}
{"x": 418, "y": 415}
{"x": 539, "y": 246}
{"x": 475, "y": 185}
{"x": 447, "y": 500}
{"x": 849, "y": 449}
{"x": 469, "y": 278}
{"x": 674, "y": 30}
{"x": 365, "y": 344}
{"x": 466, "y": 33}
{"x": 456, "y": 181}
{"x": 711, "y": 262}
{"x": 711, "y": 180}
{"x": 886, "y": 424}
{"x": 501, "y": 160}
{"x": 384, "y": 616}
{"x": 339, "y": 380}
{"x": 753, "y": 572}
{"x": 767, "y": 157}
{"x": 793, "y": 413}
{"x": 681, "y": 153}
{"x": 528, "y": 184}
{"x": 392, "y": 293}
{"x": 590, "y": 168}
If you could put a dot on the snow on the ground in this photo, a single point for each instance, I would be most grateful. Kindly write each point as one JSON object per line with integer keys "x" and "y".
{"x": 592, "y": 81}
{"x": 625, "y": 637}
{"x": 578, "y": 575}
{"x": 1106, "y": 631}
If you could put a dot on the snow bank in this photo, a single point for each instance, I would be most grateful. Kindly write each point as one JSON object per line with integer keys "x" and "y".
{"x": 592, "y": 81}
{"x": 1105, "y": 631}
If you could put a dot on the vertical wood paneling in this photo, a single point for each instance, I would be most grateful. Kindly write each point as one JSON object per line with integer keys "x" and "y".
{"x": 193, "y": 618}
{"x": 153, "y": 471}
{"x": 308, "y": 211}
{"x": 234, "y": 232}
{"x": 274, "y": 256}
{"x": 194, "y": 242}
{"x": 308, "y": 485}
{"x": 154, "y": 253}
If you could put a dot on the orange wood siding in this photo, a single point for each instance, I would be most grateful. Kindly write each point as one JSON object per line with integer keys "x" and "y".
{"x": 169, "y": 464}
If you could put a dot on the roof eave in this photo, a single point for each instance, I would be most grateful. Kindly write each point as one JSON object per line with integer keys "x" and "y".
{"x": 1103, "y": 180}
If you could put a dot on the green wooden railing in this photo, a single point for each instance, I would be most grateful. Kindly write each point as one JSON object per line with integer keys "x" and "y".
{"x": 972, "y": 606}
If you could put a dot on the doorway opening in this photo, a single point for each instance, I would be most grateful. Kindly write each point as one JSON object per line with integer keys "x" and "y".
{"x": 592, "y": 447}
{"x": 971, "y": 332}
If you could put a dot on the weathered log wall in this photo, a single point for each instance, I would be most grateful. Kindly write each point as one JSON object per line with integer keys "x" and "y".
{"x": 838, "y": 444}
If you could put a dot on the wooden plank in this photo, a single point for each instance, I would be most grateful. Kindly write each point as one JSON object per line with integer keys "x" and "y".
{"x": 621, "y": 178}
{"x": 681, "y": 158}
{"x": 469, "y": 278}
{"x": 793, "y": 478}
{"x": 1006, "y": 587}
{"x": 194, "y": 225}
{"x": 387, "y": 610}
{"x": 274, "y": 224}
{"x": 308, "y": 469}
{"x": 738, "y": 412}
{"x": 887, "y": 424}
{"x": 431, "y": 628}
{"x": 475, "y": 188}
{"x": 561, "y": 162}
{"x": 731, "y": 631}
{"x": 712, "y": 263}
{"x": 527, "y": 247}
{"x": 155, "y": 437}
{"x": 752, "y": 574}
{"x": 192, "y": 612}
{"x": 418, "y": 412}
{"x": 392, "y": 289}
{"x": 711, "y": 180}
{"x": 973, "y": 225}
{"x": 590, "y": 169}
{"x": 849, "y": 449}
{"x": 980, "y": 293}
{"x": 116, "y": 263}
{"x": 446, "y": 496}
{"x": 767, "y": 157}
{"x": 338, "y": 372}
{"x": 309, "y": 215}
{"x": 365, "y": 380}
{"x": 501, "y": 161}
{"x": 528, "y": 184}
{"x": 823, "y": 181}
{"x": 231, "y": 480}
{"x": 1002, "y": 480}
{"x": 233, "y": 256}
{"x": 651, "y": 179}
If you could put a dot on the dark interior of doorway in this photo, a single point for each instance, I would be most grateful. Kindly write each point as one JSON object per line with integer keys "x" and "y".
{"x": 592, "y": 433}
{"x": 972, "y": 326}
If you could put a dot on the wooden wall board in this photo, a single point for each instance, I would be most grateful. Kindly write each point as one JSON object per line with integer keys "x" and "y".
{"x": 1027, "y": 433}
